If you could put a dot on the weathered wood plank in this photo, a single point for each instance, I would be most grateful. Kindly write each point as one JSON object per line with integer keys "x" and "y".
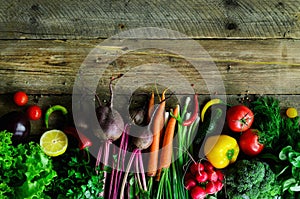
{"x": 50, "y": 66}
{"x": 102, "y": 19}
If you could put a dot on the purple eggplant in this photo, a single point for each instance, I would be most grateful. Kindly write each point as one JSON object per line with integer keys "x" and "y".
{"x": 18, "y": 124}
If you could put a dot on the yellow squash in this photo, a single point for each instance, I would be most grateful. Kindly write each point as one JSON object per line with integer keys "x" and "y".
{"x": 221, "y": 150}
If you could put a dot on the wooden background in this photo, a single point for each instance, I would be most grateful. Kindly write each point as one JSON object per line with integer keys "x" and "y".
{"x": 254, "y": 44}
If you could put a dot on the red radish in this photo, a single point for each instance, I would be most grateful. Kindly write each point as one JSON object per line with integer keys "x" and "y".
{"x": 220, "y": 175}
{"x": 196, "y": 168}
{"x": 189, "y": 184}
{"x": 212, "y": 176}
{"x": 208, "y": 166}
{"x": 198, "y": 193}
{"x": 201, "y": 177}
{"x": 188, "y": 175}
{"x": 219, "y": 185}
{"x": 210, "y": 187}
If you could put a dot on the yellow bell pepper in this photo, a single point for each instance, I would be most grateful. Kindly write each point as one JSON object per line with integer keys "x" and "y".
{"x": 221, "y": 150}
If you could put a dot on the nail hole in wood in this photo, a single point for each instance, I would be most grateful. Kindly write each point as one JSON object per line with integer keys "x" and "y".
{"x": 35, "y": 7}
{"x": 121, "y": 26}
{"x": 231, "y": 2}
{"x": 231, "y": 26}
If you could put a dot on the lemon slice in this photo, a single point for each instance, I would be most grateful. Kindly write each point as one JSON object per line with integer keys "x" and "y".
{"x": 54, "y": 142}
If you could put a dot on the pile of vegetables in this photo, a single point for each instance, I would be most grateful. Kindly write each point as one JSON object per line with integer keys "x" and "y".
{"x": 250, "y": 150}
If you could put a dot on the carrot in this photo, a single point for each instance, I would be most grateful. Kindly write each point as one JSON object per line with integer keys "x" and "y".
{"x": 150, "y": 107}
{"x": 167, "y": 147}
{"x": 157, "y": 129}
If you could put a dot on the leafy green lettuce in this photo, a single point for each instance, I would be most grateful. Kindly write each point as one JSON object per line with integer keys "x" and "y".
{"x": 25, "y": 170}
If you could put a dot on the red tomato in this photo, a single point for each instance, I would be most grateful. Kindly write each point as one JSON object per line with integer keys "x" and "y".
{"x": 20, "y": 98}
{"x": 34, "y": 112}
{"x": 249, "y": 142}
{"x": 239, "y": 118}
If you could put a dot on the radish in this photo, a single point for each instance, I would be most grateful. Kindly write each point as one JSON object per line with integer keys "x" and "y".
{"x": 188, "y": 175}
{"x": 220, "y": 175}
{"x": 212, "y": 176}
{"x": 198, "y": 193}
{"x": 219, "y": 185}
{"x": 189, "y": 184}
{"x": 210, "y": 188}
{"x": 208, "y": 166}
{"x": 196, "y": 168}
{"x": 201, "y": 177}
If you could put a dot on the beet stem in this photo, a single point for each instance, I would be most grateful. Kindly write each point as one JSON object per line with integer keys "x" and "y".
{"x": 99, "y": 156}
{"x": 105, "y": 162}
{"x": 112, "y": 179}
{"x": 142, "y": 170}
{"x": 127, "y": 172}
{"x": 137, "y": 174}
{"x": 123, "y": 147}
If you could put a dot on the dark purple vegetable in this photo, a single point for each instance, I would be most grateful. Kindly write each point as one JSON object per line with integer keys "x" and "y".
{"x": 144, "y": 140}
{"x": 18, "y": 124}
{"x": 109, "y": 119}
{"x": 112, "y": 126}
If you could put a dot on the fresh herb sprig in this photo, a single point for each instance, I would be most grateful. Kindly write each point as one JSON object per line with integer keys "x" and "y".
{"x": 77, "y": 177}
{"x": 277, "y": 131}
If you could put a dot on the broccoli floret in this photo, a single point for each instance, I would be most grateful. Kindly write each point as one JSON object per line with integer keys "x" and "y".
{"x": 251, "y": 179}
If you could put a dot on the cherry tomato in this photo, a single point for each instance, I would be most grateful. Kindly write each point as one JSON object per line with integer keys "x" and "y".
{"x": 249, "y": 142}
{"x": 20, "y": 98}
{"x": 239, "y": 118}
{"x": 34, "y": 112}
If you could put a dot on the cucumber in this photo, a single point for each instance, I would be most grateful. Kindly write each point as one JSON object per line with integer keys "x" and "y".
{"x": 215, "y": 119}
{"x": 210, "y": 126}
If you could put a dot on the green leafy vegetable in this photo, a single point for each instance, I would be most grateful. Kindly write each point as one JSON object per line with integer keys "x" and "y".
{"x": 290, "y": 175}
{"x": 76, "y": 178}
{"x": 251, "y": 179}
{"x": 278, "y": 131}
{"x": 25, "y": 169}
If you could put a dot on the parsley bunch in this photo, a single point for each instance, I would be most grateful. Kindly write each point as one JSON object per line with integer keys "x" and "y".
{"x": 277, "y": 131}
{"x": 76, "y": 177}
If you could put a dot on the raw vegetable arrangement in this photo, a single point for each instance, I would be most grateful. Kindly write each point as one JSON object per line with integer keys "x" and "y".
{"x": 250, "y": 150}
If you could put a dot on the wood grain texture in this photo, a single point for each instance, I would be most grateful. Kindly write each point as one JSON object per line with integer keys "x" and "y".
{"x": 102, "y": 19}
{"x": 51, "y": 66}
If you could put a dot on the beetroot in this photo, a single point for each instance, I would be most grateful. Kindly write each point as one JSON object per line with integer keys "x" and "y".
{"x": 109, "y": 119}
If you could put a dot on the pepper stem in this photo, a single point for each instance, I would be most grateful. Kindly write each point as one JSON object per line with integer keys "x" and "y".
{"x": 230, "y": 154}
